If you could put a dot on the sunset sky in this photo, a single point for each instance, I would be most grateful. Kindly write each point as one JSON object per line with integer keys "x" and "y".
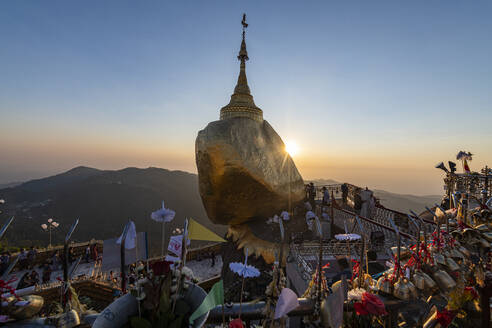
{"x": 372, "y": 92}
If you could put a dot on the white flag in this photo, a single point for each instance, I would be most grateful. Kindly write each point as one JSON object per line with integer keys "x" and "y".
{"x": 131, "y": 237}
{"x": 175, "y": 244}
{"x": 287, "y": 301}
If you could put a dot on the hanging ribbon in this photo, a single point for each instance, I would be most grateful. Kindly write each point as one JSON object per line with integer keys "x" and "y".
{"x": 355, "y": 270}
{"x": 426, "y": 258}
{"x": 6, "y": 288}
{"x": 395, "y": 270}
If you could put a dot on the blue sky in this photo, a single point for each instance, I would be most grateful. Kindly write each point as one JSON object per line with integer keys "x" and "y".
{"x": 373, "y": 92}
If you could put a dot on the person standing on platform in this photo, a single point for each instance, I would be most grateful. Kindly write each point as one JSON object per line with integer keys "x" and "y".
{"x": 312, "y": 195}
{"x": 357, "y": 201}
{"x": 213, "y": 259}
{"x": 31, "y": 257}
{"x": 326, "y": 197}
{"x": 345, "y": 191}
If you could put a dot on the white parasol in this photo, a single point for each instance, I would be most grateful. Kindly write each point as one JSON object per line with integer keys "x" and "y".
{"x": 163, "y": 215}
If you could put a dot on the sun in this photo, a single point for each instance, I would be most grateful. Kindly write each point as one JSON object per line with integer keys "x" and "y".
{"x": 291, "y": 148}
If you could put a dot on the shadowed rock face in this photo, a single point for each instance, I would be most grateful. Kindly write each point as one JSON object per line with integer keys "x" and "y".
{"x": 244, "y": 171}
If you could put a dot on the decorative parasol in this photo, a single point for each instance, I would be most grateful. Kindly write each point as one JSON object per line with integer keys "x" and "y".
{"x": 245, "y": 271}
{"x": 347, "y": 236}
{"x": 163, "y": 215}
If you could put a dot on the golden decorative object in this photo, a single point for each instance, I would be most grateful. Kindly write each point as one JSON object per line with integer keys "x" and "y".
{"x": 429, "y": 282}
{"x": 464, "y": 251}
{"x": 384, "y": 285}
{"x": 366, "y": 282}
{"x": 419, "y": 280}
{"x": 413, "y": 290}
{"x": 69, "y": 319}
{"x": 439, "y": 259}
{"x": 451, "y": 264}
{"x": 25, "y": 312}
{"x": 242, "y": 104}
{"x": 444, "y": 280}
{"x": 455, "y": 254}
{"x": 487, "y": 235}
{"x": 483, "y": 243}
{"x": 404, "y": 290}
{"x": 482, "y": 227}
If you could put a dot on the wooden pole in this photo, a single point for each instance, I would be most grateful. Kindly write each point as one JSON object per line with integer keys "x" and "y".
{"x": 320, "y": 260}
{"x": 241, "y": 298}
{"x": 361, "y": 264}
{"x": 223, "y": 316}
{"x": 163, "y": 237}
{"x": 332, "y": 214}
{"x": 183, "y": 262}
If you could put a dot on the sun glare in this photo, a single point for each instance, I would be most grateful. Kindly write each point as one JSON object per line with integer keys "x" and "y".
{"x": 291, "y": 148}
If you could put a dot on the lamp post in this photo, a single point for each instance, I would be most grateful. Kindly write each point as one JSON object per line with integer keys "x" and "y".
{"x": 50, "y": 226}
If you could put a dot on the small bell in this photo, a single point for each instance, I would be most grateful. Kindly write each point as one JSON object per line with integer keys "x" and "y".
{"x": 439, "y": 259}
{"x": 69, "y": 319}
{"x": 419, "y": 280}
{"x": 384, "y": 285}
{"x": 402, "y": 290}
{"x": 451, "y": 264}
{"x": 33, "y": 306}
{"x": 444, "y": 280}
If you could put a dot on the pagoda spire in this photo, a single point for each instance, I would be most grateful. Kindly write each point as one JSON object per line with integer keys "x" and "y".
{"x": 242, "y": 104}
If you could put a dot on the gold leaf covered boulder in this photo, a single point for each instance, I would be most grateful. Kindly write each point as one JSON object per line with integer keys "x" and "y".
{"x": 244, "y": 171}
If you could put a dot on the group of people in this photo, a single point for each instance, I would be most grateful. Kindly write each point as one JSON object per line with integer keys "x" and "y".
{"x": 364, "y": 202}
{"x": 92, "y": 254}
{"x": 27, "y": 259}
{"x": 311, "y": 192}
{"x": 28, "y": 279}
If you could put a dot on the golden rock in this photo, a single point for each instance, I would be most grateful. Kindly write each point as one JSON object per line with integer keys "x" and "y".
{"x": 244, "y": 171}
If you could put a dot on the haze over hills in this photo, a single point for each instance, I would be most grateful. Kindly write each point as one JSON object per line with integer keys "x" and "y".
{"x": 104, "y": 200}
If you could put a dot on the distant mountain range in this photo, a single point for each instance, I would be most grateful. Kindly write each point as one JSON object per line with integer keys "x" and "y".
{"x": 105, "y": 200}
{"x": 9, "y": 184}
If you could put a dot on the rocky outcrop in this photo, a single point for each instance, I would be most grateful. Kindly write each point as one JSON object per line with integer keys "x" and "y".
{"x": 244, "y": 171}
